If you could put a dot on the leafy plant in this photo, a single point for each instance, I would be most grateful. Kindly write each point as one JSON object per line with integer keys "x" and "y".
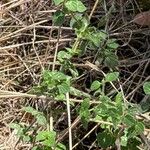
{"x": 117, "y": 119}
{"x": 47, "y": 139}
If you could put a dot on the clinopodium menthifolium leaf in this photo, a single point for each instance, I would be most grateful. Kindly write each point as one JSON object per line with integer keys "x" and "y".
{"x": 146, "y": 88}
{"x": 57, "y": 2}
{"x": 75, "y": 6}
{"x": 111, "y": 76}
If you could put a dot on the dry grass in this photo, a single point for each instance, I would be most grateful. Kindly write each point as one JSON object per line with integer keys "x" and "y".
{"x": 28, "y": 44}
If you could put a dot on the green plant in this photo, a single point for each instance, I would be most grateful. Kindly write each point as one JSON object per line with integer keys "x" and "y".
{"x": 30, "y": 134}
{"x": 117, "y": 119}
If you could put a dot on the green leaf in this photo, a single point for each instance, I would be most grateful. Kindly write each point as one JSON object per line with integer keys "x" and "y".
{"x": 35, "y": 148}
{"x": 75, "y": 6}
{"x": 19, "y": 129}
{"x": 57, "y": 2}
{"x": 105, "y": 139}
{"x": 111, "y": 43}
{"x": 96, "y": 37}
{"x": 84, "y": 112}
{"x": 124, "y": 138}
{"x": 139, "y": 128}
{"x": 30, "y": 110}
{"x": 95, "y": 85}
{"x": 129, "y": 120}
{"x": 26, "y": 138}
{"x": 119, "y": 98}
{"x": 60, "y": 97}
{"x": 111, "y": 60}
{"x": 63, "y": 88}
{"x": 48, "y": 138}
{"x": 41, "y": 120}
{"x": 111, "y": 76}
{"x": 60, "y": 146}
{"x": 14, "y": 126}
{"x": 58, "y": 18}
{"x": 132, "y": 144}
{"x": 146, "y": 88}
{"x": 63, "y": 56}
{"x": 79, "y": 23}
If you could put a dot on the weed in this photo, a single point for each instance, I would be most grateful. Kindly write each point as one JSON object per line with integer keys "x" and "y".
{"x": 117, "y": 118}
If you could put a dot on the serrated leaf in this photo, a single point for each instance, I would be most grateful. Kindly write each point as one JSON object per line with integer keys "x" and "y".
{"x": 58, "y": 18}
{"x": 75, "y": 6}
{"x": 124, "y": 138}
{"x": 14, "y": 126}
{"x": 30, "y": 110}
{"x": 111, "y": 43}
{"x": 96, "y": 37}
{"x": 57, "y": 2}
{"x": 95, "y": 85}
{"x": 60, "y": 97}
{"x": 63, "y": 88}
{"x": 111, "y": 76}
{"x": 111, "y": 61}
{"x": 139, "y": 128}
{"x": 119, "y": 98}
{"x": 146, "y": 88}
{"x": 41, "y": 120}
{"x": 46, "y": 137}
{"x": 26, "y": 138}
{"x": 129, "y": 120}
{"x": 84, "y": 111}
{"x": 105, "y": 139}
{"x": 63, "y": 56}
{"x": 60, "y": 146}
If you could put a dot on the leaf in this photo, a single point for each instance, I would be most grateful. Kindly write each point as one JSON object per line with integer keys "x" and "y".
{"x": 63, "y": 88}
{"x": 60, "y": 146}
{"x": 14, "y": 126}
{"x": 30, "y": 110}
{"x": 146, "y": 88}
{"x": 46, "y": 137}
{"x": 129, "y": 120}
{"x": 84, "y": 111}
{"x": 95, "y": 36}
{"x": 111, "y": 76}
{"x": 41, "y": 120}
{"x": 57, "y": 2}
{"x": 124, "y": 138}
{"x": 142, "y": 18}
{"x": 26, "y": 138}
{"x": 95, "y": 85}
{"x": 63, "y": 56}
{"x": 111, "y": 43}
{"x": 139, "y": 128}
{"x": 19, "y": 129}
{"x": 105, "y": 139}
{"x": 58, "y": 18}
{"x": 119, "y": 98}
{"x": 75, "y": 6}
{"x": 111, "y": 60}
{"x": 79, "y": 23}
{"x": 60, "y": 97}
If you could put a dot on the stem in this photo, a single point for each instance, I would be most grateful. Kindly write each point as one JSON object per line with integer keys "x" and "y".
{"x": 94, "y": 7}
{"x": 69, "y": 121}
